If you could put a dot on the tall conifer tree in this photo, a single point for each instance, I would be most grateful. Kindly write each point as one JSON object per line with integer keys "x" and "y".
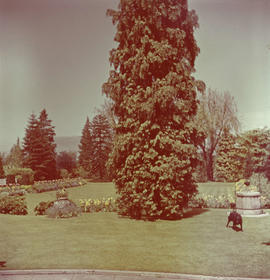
{"x": 154, "y": 102}
{"x": 2, "y": 173}
{"x": 102, "y": 145}
{"x": 39, "y": 147}
{"x": 85, "y": 148}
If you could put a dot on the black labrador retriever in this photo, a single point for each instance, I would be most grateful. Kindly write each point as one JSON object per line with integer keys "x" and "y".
{"x": 236, "y": 218}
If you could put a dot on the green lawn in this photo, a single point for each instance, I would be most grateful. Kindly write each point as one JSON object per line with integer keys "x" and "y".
{"x": 198, "y": 244}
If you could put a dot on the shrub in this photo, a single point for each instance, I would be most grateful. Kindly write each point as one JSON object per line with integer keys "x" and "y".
{"x": 24, "y": 176}
{"x": 98, "y": 205}
{"x": 13, "y": 205}
{"x": 10, "y": 179}
{"x": 41, "y": 208}
{"x": 261, "y": 181}
{"x": 63, "y": 209}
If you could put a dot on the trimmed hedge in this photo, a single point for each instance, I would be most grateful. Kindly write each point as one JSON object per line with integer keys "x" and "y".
{"x": 53, "y": 185}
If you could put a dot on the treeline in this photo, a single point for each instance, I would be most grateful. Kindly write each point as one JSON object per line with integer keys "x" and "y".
{"x": 36, "y": 159}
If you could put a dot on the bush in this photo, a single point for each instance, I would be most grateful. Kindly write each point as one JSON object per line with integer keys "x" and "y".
{"x": 261, "y": 181}
{"x": 98, "y": 205}
{"x": 24, "y": 176}
{"x": 41, "y": 208}
{"x": 13, "y": 205}
{"x": 64, "y": 208}
{"x": 10, "y": 179}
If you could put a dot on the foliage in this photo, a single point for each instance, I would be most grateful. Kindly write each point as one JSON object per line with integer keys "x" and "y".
{"x": 15, "y": 156}
{"x": 24, "y": 176}
{"x": 14, "y": 205}
{"x": 63, "y": 209}
{"x": 217, "y": 112}
{"x": 85, "y": 149}
{"x": 255, "y": 151}
{"x": 244, "y": 185}
{"x": 39, "y": 147}
{"x": 51, "y": 185}
{"x": 41, "y": 208}
{"x": 66, "y": 160}
{"x": 81, "y": 172}
{"x": 101, "y": 146}
{"x": 227, "y": 163}
{"x": 2, "y": 173}
{"x": 154, "y": 101}
{"x": 98, "y": 205}
{"x": 262, "y": 183}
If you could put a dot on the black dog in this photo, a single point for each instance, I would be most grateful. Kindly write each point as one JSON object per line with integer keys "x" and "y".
{"x": 236, "y": 218}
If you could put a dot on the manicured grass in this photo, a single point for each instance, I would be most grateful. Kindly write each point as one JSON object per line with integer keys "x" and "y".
{"x": 198, "y": 244}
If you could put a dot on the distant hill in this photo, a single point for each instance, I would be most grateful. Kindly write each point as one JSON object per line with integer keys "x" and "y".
{"x": 67, "y": 143}
{"x": 64, "y": 143}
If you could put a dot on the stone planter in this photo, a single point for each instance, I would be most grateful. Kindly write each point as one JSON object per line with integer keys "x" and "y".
{"x": 249, "y": 203}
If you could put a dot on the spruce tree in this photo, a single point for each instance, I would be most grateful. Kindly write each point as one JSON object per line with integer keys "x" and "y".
{"x": 39, "y": 147}
{"x": 85, "y": 148}
{"x": 2, "y": 173}
{"x": 154, "y": 102}
{"x": 31, "y": 143}
{"x": 47, "y": 156}
{"x": 102, "y": 145}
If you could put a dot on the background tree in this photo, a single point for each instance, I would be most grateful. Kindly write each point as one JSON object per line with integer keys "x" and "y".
{"x": 66, "y": 160}
{"x": 216, "y": 113}
{"x": 39, "y": 147}
{"x": 154, "y": 101}
{"x": 15, "y": 156}
{"x": 2, "y": 173}
{"x": 101, "y": 145}
{"x": 48, "y": 155}
{"x": 31, "y": 143}
{"x": 85, "y": 149}
{"x": 228, "y": 161}
{"x": 256, "y": 150}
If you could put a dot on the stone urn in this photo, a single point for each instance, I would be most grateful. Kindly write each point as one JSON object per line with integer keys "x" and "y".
{"x": 249, "y": 203}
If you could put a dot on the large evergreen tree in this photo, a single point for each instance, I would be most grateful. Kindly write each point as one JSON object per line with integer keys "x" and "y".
{"x": 154, "y": 101}
{"x": 2, "y": 173}
{"x": 102, "y": 145}
{"x": 39, "y": 147}
{"x": 85, "y": 148}
{"x": 48, "y": 154}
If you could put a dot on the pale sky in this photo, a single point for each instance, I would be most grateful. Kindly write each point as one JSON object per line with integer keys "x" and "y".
{"x": 54, "y": 55}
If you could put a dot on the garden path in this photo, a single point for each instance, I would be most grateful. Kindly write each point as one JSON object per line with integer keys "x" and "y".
{"x": 104, "y": 275}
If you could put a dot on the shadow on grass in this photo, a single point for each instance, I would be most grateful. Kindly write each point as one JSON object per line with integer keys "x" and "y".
{"x": 235, "y": 228}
